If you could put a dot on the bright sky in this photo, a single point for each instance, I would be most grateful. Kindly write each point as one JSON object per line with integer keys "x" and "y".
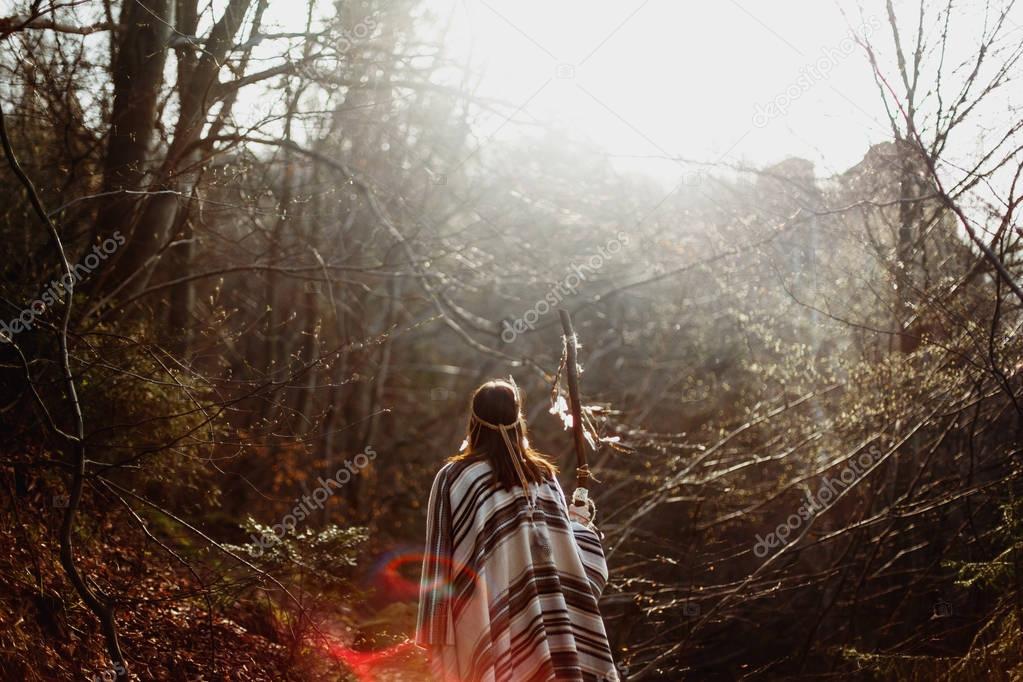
{"x": 735, "y": 81}
{"x": 673, "y": 78}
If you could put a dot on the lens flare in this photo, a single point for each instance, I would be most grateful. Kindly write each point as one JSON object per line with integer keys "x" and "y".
{"x": 390, "y": 581}
{"x": 365, "y": 665}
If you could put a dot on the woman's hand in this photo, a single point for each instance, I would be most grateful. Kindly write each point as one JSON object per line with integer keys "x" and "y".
{"x": 583, "y": 513}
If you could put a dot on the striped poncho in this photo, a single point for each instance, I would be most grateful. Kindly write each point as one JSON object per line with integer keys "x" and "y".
{"x": 494, "y": 607}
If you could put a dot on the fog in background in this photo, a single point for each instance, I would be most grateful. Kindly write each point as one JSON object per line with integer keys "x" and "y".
{"x": 249, "y": 243}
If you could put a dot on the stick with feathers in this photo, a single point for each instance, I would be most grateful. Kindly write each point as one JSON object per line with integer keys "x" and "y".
{"x": 570, "y": 362}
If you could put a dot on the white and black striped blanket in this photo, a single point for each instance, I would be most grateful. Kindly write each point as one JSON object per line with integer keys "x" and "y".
{"x": 494, "y": 606}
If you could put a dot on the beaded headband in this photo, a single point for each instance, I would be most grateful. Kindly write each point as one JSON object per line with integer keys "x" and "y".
{"x": 498, "y": 427}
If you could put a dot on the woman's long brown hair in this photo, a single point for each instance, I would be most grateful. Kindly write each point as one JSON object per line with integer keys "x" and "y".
{"x": 498, "y": 403}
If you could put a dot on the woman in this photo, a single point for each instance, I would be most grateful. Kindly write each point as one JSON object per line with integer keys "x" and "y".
{"x": 511, "y": 574}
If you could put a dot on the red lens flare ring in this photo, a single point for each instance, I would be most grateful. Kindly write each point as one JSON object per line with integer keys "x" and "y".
{"x": 388, "y": 576}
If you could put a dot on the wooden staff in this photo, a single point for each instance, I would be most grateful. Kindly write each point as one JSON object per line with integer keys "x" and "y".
{"x": 582, "y": 471}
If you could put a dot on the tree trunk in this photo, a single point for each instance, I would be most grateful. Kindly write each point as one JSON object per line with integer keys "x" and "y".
{"x": 141, "y": 53}
{"x": 197, "y": 78}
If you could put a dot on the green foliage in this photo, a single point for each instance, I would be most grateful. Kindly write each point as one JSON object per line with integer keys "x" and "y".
{"x": 329, "y": 554}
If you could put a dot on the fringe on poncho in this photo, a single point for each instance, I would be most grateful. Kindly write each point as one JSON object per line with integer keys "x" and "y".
{"x": 495, "y": 608}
